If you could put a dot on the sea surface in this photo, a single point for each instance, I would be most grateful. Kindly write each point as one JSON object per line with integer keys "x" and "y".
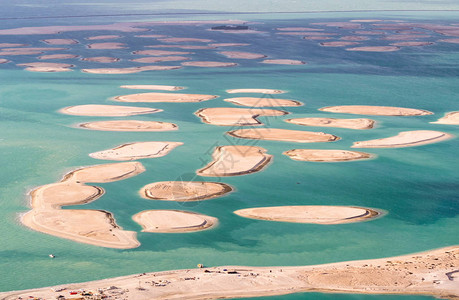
{"x": 417, "y": 187}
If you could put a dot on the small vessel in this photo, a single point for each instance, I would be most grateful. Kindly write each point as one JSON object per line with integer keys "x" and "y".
{"x": 52, "y": 255}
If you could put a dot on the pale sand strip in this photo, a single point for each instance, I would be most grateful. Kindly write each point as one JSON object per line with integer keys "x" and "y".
{"x": 160, "y": 52}
{"x": 107, "y": 110}
{"x": 405, "y": 139}
{"x": 283, "y": 62}
{"x": 184, "y": 191}
{"x": 337, "y": 44}
{"x": 374, "y": 49}
{"x": 101, "y": 59}
{"x": 58, "y": 56}
{"x": 184, "y": 39}
{"x": 429, "y": 273}
{"x": 153, "y": 87}
{"x": 242, "y": 55}
{"x": 12, "y": 45}
{"x": 60, "y": 41}
{"x": 129, "y": 70}
{"x": 46, "y": 67}
{"x": 106, "y": 46}
{"x": 451, "y": 118}
{"x": 173, "y": 221}
{"x": 228, "y": 44}
{"x": 139, "y": 150}
{"x": 226, "y": 116}
{"x": 318, "y": 155}
{"x": 262, "y": 102}
{"x": 164, "y": 97}
{"x": 209, "y": 64}
{"x": 312, "y": 214}
{"x": 376, "y": 110}
{"x": 155, "y": 59}
{"x": 20, "y": 52}
{"x": 354, "y": 38}
{"x": 284, "y": 135}
{"x": 299, "y": 29}
{"x": 3, "y": 61}
{"x": 35, "y": 49}
{"x": 105, "y": 173}
{"x": 412, "y": 44}
{"x": 187, "y": 47}
{"x": 103, "y": 37}
{"x": 331, "y": 122}
{"x": 235, "y": 161}
{"x": 129, "y": 125}
{"x": 260, "y": 91}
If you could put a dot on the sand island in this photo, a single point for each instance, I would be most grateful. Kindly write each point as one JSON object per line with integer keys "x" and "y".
{"x": 285, "y": 135}
{"x": 209, "y": 64}
{"x": 184, "y": 191}
{"x": 312, "y": 214}
{"x": 283, "y": 62}
{"x": 46, "y": 67}
{"x": 332, "y": 122}
{"x": 164, "y": 97}
{"x": 406, "y": 139}
{"x": 319, "y": 155}
{"x": 101, "y": 59}
{"x": 241, "y": 55}
{"x": 107, "y": 110}
{"x": 376, "y": 110}
{"x": 153, "y": 87}
{"x": 451, "y": 118}
{"x": 374, "y": 49}
{"x": 170, "y": 221}
{"x": 58, "y": 56}
{"x": 259, "y": 91}
{"x": 155, "y": 59}
{"x": 262, "y": 102}
{"x": 224, "y": 116}
{"x": 236, "y": 160}
{"x": 138, "y": 150}
{"x": 129, "y": 125}
{"x": 130, "y": 70}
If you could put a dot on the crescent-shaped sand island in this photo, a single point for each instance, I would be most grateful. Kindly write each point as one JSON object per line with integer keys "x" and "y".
{"x": 285, "y": 135}
{"x": 376, "y": 110}
{"x": 431, "y": 273}
{"x": 451, "y": 118}
{"x": 405, "y": 139}
{"x": 311, "y": 214}
{"x": 107, "y": 110}
{"x": 184, "y": 191}
{"x": 236, "y": 160}
{"x": 139, "y": 150}
{"x": 331, "y": 122}
{"x": 164, "y": 97}
{"x": 170, "y": 221}
{"x": 262, "y": 102}
{"x": 95, "y": 227}
{"x": 129, "y": 125}
{"x": 226, "y": 116}
{"x": 319, "y": 155}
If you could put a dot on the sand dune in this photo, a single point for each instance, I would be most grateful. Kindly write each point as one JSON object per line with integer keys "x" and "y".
{"x": 318, "y": 155}
{"x": 236, "y": 160}
{"x": 331, "y": 122}
{"x": 224, "y": 116}
{"x": 134, "y": 151}
{"x": 184, "y": 190}
{"x": 405, "y": 139}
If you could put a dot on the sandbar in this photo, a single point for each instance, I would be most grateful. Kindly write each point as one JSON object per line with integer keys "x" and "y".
{"x": 228, "y": 44}
{"x": 130, "y": 125}
{"x": 138, "y": 150}
{"x": 160, "y": 52}
{"x": 225, "y": 116}
{"x": 35, "y": 49}
{"x": 235, "y": 161}
{"x": 104, "y": 173}
{"x": 107, "y": 110}
{"x": 374, "y": 49}
{"x": 5, "y": 52}
{"x": 299, "y": 29}
{"x": 184, "y": 39}
{"x": 283, "y": 62}
{"x": 58, "y": 56}
{"x": 187, "y": 47}
{"x": 337, "y": 44}
{"x": 331, "y": 122}
{"x": 154, "y": 36}
{"x": 262, "y": 102}
{"x": 153, "y": 87}
{"x": 345, "y": 25}
{"x": 3, "y": 60}
{"x": 14, "y": 45}
{"x": 156, "y": 59}
{"x": 101, "y": 59}
{"x": 354, "y": 38}
{"x": 261, "y": 91}
{"x": 452, "y": 41}
{"x": 46, "y": 67}
{"x": 319, "y": 155}
{"x": 405, "y": 139}
{"x": 451, "y": 118}
{"x": 184, "y": 191}
{"x": 284, "y": 135}
{"x": 95, "y": 227}
{"x": 107, "y": 46}
{"x": 209, "y": 64}
{"x": 164, "y": 97}
{"x": 316, "y": 38}
{"x": 103, "y": 37}
{"x": 431, "y": 273}
{"x": 412, "y": 44}
{"x": 60, "y": 41}
{"x": 403, "y": 37}
{"x": 376, "y": 110}
{"x": 311, "y": 214}
{"x": 170, "y": 221}
{"x": 241, "y": 55}
{"x": 129, "y": 70}
{"x": 367, "y": 32}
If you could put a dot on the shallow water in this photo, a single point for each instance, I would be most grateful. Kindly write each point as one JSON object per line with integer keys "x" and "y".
{"x": 417, "y": 186}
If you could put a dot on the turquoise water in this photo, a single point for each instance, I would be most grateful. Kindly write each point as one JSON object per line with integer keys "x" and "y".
{"x": 417, "y": 186}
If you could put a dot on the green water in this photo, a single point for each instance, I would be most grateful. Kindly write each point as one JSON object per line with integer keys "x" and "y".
{"x": 417, "y": 186}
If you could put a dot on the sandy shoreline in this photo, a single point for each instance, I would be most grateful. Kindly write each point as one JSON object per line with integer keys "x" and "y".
{"x": 107, "y": 110}
{"x": 130, "y": 70}
{"x": 138, "y": 150}
{"x": 184, "y": 191}
{"x": 129, "y": 125}
{"x": 153, "y": 87}
{"x": 260, "y": 91}
{"x": 311, "y": 214}
{"x": 318, "y": 155}
{"x": 405, "y": 139}
{"x": 331, "y": 122}
{"x": 451, "y": 118}
{"x": 376, "y": 110}
{"x": 262, "y": 102}
{"x": 225, "y": 116}
{"x": 431, "y": 273}
{"x": 209, "y": 64}
{"x": 164, "y": 97}
{"x": 285, "y": 135}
